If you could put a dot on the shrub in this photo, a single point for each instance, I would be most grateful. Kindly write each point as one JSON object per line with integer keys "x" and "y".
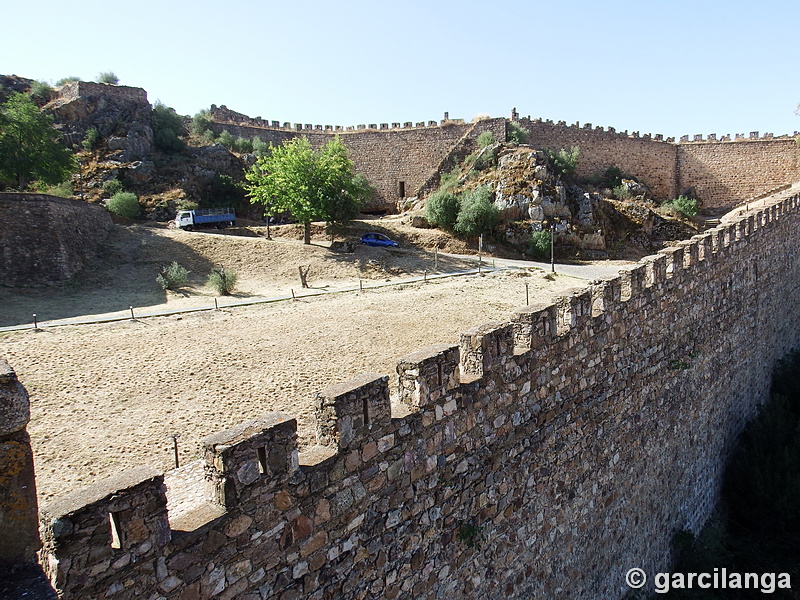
{"x": 62, "y": 190}
{"x": 477, "y": 214}
{"x": 124, "y": 204}
{"x": 112, "y": 187}
{"x": 91, "y": 139}
{"x": 612, "y": 177}
{"x": 564, "y": 162}
{"x": 485, "y": 139}
{"x": 108, "y": 77}
{"x": 201, "y": 123}
{"x": 260, "y": 147}
{"x": 242, "y": 145}
{"x": 448, "y": 181}
{"x": 167, "y": 128}
{"x": 41, "y": 91}
{"x": 622, "y": 192}
{"x": 172, "y": 277}
{"x": 684, "y": 206}
{"x": 66, "y": 80}
{"x": 226, "y": 139}
{"x": 441, "y": 209}
{"x": 516, "y": 133}
{"x": 540, "y": 244}
{"x": 223, "y": 281}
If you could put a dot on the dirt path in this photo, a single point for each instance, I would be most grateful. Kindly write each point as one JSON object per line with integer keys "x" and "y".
{"x": 108, "y": 397}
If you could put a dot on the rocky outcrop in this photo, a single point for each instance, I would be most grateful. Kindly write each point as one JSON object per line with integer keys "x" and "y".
{"x": 121, "y": 115}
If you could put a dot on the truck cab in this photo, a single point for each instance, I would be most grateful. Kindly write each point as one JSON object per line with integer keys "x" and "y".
{"x": 184, "y": 220}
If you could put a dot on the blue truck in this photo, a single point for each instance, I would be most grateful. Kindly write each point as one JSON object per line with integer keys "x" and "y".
{"x": 205, "y": 217}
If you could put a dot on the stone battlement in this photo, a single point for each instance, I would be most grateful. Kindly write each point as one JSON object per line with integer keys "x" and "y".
{"x": 222, "y": 115}
{"x": 548, "y": 452}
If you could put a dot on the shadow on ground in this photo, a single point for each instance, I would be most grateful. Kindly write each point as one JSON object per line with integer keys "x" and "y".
{"x": 123, "y": 276}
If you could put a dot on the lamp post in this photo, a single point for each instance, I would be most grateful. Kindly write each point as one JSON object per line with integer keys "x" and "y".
{"x": 552, "y": 246}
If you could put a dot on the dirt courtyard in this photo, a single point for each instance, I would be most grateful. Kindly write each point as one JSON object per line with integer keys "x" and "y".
{"x": 107, "y": 397}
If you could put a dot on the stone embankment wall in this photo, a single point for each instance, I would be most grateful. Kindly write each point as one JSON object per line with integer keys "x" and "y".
{"x": 46, "y": 239}
{"x": 542, "y": 457}
{"x": 397, "y": 159}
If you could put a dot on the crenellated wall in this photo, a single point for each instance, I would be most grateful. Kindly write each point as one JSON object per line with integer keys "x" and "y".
{"x": 396, "y": 159}
{"x": 722, "y": 171}
{"x": 540, "y": 457}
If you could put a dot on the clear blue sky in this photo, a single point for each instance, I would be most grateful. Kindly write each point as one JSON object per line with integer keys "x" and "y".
{"x": 679, "y": 67}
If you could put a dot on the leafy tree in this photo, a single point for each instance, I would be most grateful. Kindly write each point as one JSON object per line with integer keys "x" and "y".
{"x": 30, "y": 147}
{"x": 516, "y": 133}
{"x": 441, "y": 209}
{"x": 540, "y": 244}
{"x": 311, "y": 185}
{"x": 91, "y": 139}
{"x": 485, "y": 139}
{"x": 108, "y": 77}
{"x": 564, "y": 162}
{"x": 226, "y": 139}
{"x": 477, "y": 214}
{"x": 201, "y": 122}
{"x": 167, "y": 128}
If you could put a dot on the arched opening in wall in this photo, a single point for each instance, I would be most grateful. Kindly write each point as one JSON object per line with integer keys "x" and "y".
{"x": 401, "y": 189}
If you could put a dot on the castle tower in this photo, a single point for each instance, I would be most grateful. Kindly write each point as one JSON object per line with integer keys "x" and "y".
{"x": 19, "y": 522}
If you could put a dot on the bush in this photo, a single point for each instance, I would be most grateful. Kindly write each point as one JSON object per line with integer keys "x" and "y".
{"x": 112, "y": 187}
{"x": 41, "y": 91}
{"x": 242, "y": 145}
{"x": 226, "y": 139}
{"x": 260, "y": 147}
{"x": 516, "y": 133}
{"x": 91, "y": 139}
{"x": 485, "y": 139}
{"x": 172, "y": 277}
{"x": 223, "y": 281}
{"x": 477, "y": 214}
{"x": 66, "y": 80}
{"x": 124, "y": 204}
{"x": 62, "y": 190}
{"x": 683, "y": 206}
{"x": 612, "y": 177}
{"x": 201, "y": 123}
{"x": 540, "y": 244}
{"x": 564, "y": 162}
{"x": 441, "y": 209}
{"x": 108, "y": 77}
{"x": 622, "y": 192}
{"x": 167, "y": 128}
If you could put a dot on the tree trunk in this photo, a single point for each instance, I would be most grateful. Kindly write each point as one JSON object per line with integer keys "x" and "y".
{"x": 307, "y": 232}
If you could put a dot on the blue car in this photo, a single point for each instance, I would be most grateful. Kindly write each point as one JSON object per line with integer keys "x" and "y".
{"x": 378, "y": 239}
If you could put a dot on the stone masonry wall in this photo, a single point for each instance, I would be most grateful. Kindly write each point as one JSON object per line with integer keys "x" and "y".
{"x": 543, "y": 457}
{"x": 723, "y": 172}
{"x": 46, "y": 239}
{"x": 650, "y": 160}
{"x": 730, "y": 172}
{"x": 397, "y": 160}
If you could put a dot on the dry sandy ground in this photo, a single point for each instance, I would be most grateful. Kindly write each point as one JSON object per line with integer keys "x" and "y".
{"x": 108, "y": 397}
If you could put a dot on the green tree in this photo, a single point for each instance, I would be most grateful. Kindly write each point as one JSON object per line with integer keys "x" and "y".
{"x": 311, "y": 185}
{"x": 477, "y": 214}
{"x": 441, "y": 209}
{"x": 167, "y": 128}
{"x": 30, "y": 147}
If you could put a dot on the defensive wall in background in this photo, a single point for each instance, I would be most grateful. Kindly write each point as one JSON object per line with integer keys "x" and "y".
{"x": 46, "y": 239}
{"x": 397, "y": 159}
{"x": 542, "y": 457}
{"x": 402, "y": 160}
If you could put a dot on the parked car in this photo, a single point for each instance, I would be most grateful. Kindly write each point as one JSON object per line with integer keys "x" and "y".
{"x": 378, "y": 239}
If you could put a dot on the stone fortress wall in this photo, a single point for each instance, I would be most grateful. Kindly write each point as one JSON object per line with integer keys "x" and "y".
{"x": 46, "y": 239}
{"x": 402, "y": 160}
{"x": 541, "y": 457}
{"x": 396, "y": 159}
